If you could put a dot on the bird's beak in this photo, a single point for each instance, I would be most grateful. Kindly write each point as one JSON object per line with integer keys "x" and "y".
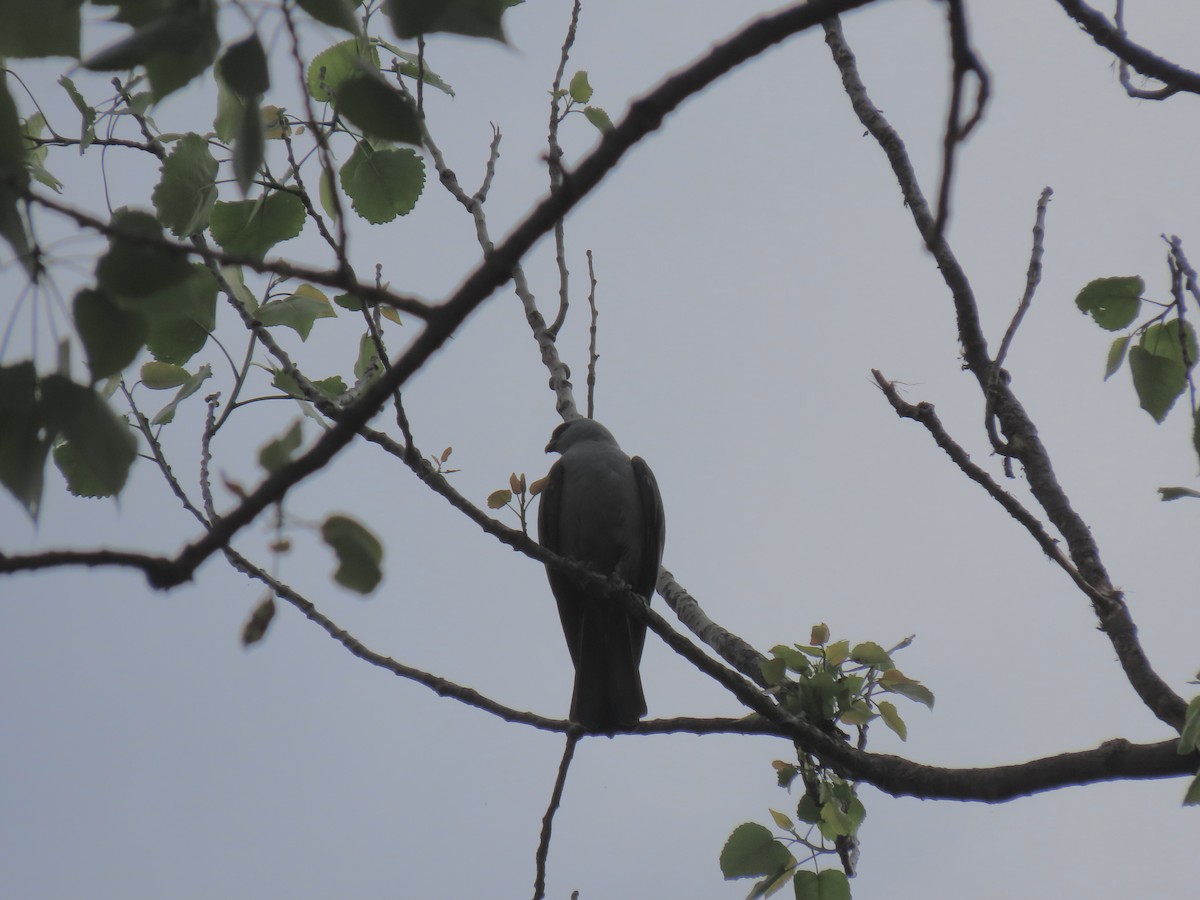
{"x": 551, "y": 447}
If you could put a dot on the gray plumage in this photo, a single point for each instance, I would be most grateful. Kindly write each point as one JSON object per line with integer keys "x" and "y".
{"x": 601, "y": 508}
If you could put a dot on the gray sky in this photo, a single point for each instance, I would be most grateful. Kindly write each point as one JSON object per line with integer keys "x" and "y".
{"x": 754, "y": 262}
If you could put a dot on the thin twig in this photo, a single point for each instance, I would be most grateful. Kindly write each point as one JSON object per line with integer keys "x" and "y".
{"x": 592, "y": 355}
{"x": 543, "y": 850}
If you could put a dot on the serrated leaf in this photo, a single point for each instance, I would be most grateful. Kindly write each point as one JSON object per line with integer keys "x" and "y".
{"x": 891, "y": 718}
{"x": 335, "y": 64}
{"x": 161, "y": 376}
{"x": 795, "y": 659}
{"x": 101, "y": 445}
{"x": 1158, "y": 381}
{"x": 870, "y": 653}
{"x": 298, "y": 311}
{"x": 331, "y": 387}
{"x": 181, "y": 315}
{"x": 579, "y": 89}
{"x": 808, "y": 810}
{"x": 378, "y": 109}
{"x": 44, "y": 28}
{"x": 277, "y": 453}
{"x": 138, "y": 265}
{"x": 243, "y": 67}
{"x": 1116, "y": 356}
{"x": 111, "y": 336}
{"x": 752, "y": 851}
{"x": 499, "y": 499}
{"x": 255, "y": 226}
{"x": 336, "y": 13}
{"x": 599, "y": 118}
{"x": 383, "y": 184}
{"x": 1112, "y": 302}
{"x": 359, "y": 554}
{"x": 256, "y": 626}
{"x": 474, "y": 18}
{"x": 23, "y": 446}
{"x": 166, "y": 415}
{"x": 187, "y": 188}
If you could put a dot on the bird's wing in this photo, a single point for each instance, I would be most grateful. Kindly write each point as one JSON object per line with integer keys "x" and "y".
{"x": 654, "y": 529}
{"x": 550, "y": 537}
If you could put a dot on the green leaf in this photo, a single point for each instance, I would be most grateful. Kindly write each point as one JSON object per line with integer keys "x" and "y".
{"x": 250, "y": 146}
{"x": 579, "y": 89}
{"x": 1189, "y": 736}
{"x": 474, "y": 18}
{"x": 1116, "y": 356}
{"x": 870, "y": 653}
{"x": 774, "y": 671}
{"x": 35, "y": 156}
{"x": 499, "y": 499}
{"x": 13, "y": 179}
{"x": 161, "y": 376}
{"x": 1165, "y": 340}
{"x": 828, "y": 884}
{"x": 298, "y": 311}
{"x": 335, "y": 64}
{"x": 410, "y": 65}
{"x": 383, "y": 184}
{"x": 181, "y": 316}
{"x": 1176, "y": 493}
{"x": 331, "y": 387}
{"x": 835, "y": 821}
{"x": 100, "y": 445}
{"x": 808, "y": 810}
{"x": 1158, "y": 381}
{"x": 782, "y": 820}
{"x": 243, "y": 68}
{"x": 859, "y": 713}
{"x": 277, "y": 453}
{"x": 795, "y": 659}
{"x": 87, "y": 132}
{"x": 1192, "y": 797}
{"x": 358, "y": 551}
{"x": 136, "y": 264}
{"x": 599, "y": 118}
{"x": 752, "y": 851}
{"x": 42, "y": 28}
{"x": 111, "y": 335}
{"x": 892, "y": 719}
{"x": 837, "y": 653}
{"x": 228, "y": 119}
{"x": 327, "y": 189}
{"x": 175, "y": 46}
{"x": 255, "y": 226}
{"x": 166, "y": 415}
{"x": 187, "y": 189}
{"x": 378, "y": 109}
{"x": 23, "y": 446}
{"x": 336, "y": 13}
{"x": 1112, "y": 302}
{"x": 898, "y": 683}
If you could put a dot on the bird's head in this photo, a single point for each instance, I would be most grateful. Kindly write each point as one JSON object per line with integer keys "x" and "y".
{"x": 577, "y": 431}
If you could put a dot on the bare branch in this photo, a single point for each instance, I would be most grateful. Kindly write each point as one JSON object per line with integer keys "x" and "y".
{"x": 543, "y": 850}
{"x": 1112, "y": 38}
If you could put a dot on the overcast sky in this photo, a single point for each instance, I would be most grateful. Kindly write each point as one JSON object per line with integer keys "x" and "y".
{"x": 755, "y": 262}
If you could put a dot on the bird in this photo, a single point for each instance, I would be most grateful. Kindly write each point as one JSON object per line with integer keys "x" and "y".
{"x": 601, "y": 508}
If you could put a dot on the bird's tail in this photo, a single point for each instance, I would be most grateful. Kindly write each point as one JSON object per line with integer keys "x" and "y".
{"x": 608, "y": 686}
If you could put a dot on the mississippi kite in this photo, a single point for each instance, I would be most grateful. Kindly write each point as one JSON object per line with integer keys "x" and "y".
{"x": 601, "y": 508}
